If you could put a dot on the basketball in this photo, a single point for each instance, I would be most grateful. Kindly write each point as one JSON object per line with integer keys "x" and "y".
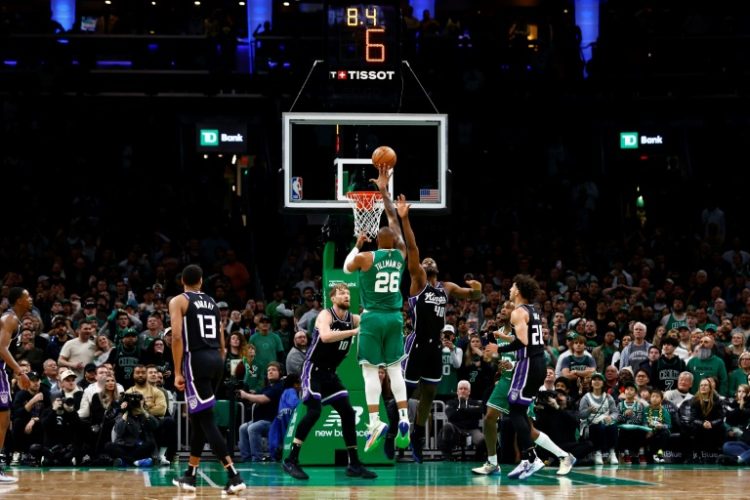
{"x": 384, "y": 155}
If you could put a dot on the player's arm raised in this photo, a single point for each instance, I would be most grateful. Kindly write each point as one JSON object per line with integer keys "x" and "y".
{"x": 384, "y": 174}
{"x": 355, "y": 260}
{"x": 474, "y": 292}
{"x": 416, "y": 271}
{"x": 323, "y": 324}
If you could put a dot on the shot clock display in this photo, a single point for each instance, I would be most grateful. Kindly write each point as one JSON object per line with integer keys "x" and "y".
{"x": 363, "y": 36}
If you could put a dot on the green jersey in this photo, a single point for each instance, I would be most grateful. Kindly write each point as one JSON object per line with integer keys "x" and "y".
{"x": 380, "y": 286}
{"x": 506, "y": 356}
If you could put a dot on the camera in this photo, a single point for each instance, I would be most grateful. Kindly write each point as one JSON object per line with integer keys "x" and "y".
{"x": 133, "y": 400}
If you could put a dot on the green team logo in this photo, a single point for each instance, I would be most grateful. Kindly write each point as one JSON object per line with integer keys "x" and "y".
{"x": 209, "y": 137}
{"x": 628, "y": 140}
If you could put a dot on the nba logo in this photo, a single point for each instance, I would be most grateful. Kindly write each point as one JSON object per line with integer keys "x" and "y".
{"x": 296, "y": 188}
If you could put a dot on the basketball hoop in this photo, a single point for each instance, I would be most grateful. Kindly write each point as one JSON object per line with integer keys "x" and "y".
{"x": 367, "y": 207}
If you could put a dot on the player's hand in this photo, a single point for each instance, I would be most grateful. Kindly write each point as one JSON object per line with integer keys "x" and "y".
{"x": 179, "y": 382}
{"x": 361, "y": 240}
{"x": 384, "y": 174}
{"x": 474, "y": 284}
{"x": 23, "y": 381}
{"x": 402, "y": 208}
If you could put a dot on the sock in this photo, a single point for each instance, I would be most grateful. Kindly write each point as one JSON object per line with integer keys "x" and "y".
{"x": 294, "y": 454}
{"x": 191, "y": 471}
{"x": 353, "y": 455}
{"x": 374, "y": 417}
{"x": 231, "y": 471}
{"x": 419, "y": 430}
{"x": 529, "y": 454}
{"x": 162, "y": 451}
{"x": 545, "y": 442}
{"x": 492, "y": 459}
{"x": 403, "y": 414}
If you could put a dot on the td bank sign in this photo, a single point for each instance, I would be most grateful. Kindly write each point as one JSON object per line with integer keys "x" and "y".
{"x": 222, "y": 138}
{"x": 633, "y": 140}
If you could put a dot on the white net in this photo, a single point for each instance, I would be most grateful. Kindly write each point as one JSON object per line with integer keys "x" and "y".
{"x": 367, "y": 207}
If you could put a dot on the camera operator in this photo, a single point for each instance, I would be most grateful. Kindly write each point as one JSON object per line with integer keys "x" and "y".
{"x": 155, "y": 403}
{"x": 559, "y": 420}
{"x": 62, "y": 442}
{"x": 133, "y": 433}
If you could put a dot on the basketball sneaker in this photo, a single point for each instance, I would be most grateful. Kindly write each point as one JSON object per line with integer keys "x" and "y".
{"x": 402, "y": 438}
{"x": 375, "y": 434}
{"x": 234, "y": 485}
{"x": 185, "y": 482}
{"x": 531, "y": 468}
{"x": 518, "y": 470}
{"x": 417, "y": 448}
{"x": 7, "y": 479}
{"x": 294, "y": 470}
{"x": 487, "y": 469}
{"x": 566, "y": 464}
{"x": 358, "y": 470}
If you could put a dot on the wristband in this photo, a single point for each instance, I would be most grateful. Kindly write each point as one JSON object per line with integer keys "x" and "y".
{"x": 349, "y": 259}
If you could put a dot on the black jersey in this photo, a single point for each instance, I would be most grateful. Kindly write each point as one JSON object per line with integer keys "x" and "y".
{"x": 330, "y": 355}
{"x": 427, "y": 310}
{"x": 201, "y": 324}
{"x": 535, "y": 346}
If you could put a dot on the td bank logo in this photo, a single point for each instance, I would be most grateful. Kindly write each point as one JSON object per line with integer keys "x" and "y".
{"x": 209, "y": 137}
{"x": 628, "y": 140}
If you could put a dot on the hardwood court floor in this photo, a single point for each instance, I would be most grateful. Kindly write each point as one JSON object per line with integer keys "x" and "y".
{"x": 431, "y": 480}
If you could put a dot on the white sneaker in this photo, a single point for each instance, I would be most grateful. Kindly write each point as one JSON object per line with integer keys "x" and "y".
{"x": 15, "y": 458}
{"x": 162, "y": 460}
{"x": 375, "y": 435}
{"x": 532, "y": 467}
{"x": 7, "y": 479}
{"x": 613, "y": 457}
{"x": 487, "y": 469}
{"x": 566, "y": 464}
{"x": 598, "y": 458}
{"x": 518, "y": 470}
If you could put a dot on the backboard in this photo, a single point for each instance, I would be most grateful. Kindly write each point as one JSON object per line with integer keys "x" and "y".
{"x": 327, "y": 155}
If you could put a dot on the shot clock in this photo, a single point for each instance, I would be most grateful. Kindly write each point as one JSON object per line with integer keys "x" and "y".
{"x": 363, "y": 39}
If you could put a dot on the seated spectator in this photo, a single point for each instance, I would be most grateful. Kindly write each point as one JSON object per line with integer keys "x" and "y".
{"x": 705, "y": 364}
{"x": 740, "y": 375}
{"x": 598, "y": 414}
{"x": 737, "y": 411}
{"x": 464, "y": 421}
{"x": 28, "y": 351}
{"x": 89, "y": 376}
{"x": 28, "y": 407}
{"x": 296, "y": 356}
{"x": 707, "y": 423}
{"x": 266, "y": 408}
{"x": 658, "y": 417}
{"x": 103, "y": 410}
{"x": 682, "y": 393}
{"x": 630, "y": 420}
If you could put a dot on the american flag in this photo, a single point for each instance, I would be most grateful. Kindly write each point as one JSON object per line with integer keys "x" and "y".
{"x": 429, "y": 195}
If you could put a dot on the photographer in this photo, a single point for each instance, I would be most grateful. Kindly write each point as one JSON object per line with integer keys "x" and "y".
{"x": 28, "y": 407}
{"x": 133, "y": 433}
{"x": 62, "y": 443}
{"x": 155, "y": 403}
{"x": 559, "y": 420}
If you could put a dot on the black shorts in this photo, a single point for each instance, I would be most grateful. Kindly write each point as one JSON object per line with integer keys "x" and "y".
{"x": 322, "y": 384}
{"x": 424, "y": 360}
{"x": 203, "y": 371}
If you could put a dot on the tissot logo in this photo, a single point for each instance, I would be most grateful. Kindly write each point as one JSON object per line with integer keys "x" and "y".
{"x": 343, "y": 74}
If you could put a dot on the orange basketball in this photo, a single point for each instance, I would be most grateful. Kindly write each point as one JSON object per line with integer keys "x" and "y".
{"x": 384, "y": 155}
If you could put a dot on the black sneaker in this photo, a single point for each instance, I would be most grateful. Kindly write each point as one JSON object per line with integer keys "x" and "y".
{"x": 234, "y": 485}
{"x": 294, "y": 470}
{"x": 359, "y": 470}
{"x": 186, "y": 483}
{"x": 726, "y": 460}
{"x": 389, "y": 447}
{"x": 417, "y": 447}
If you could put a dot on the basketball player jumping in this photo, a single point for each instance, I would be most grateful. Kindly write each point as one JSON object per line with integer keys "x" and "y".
{"x": 428, "y": 298}
{"x": 382, "y": 324}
